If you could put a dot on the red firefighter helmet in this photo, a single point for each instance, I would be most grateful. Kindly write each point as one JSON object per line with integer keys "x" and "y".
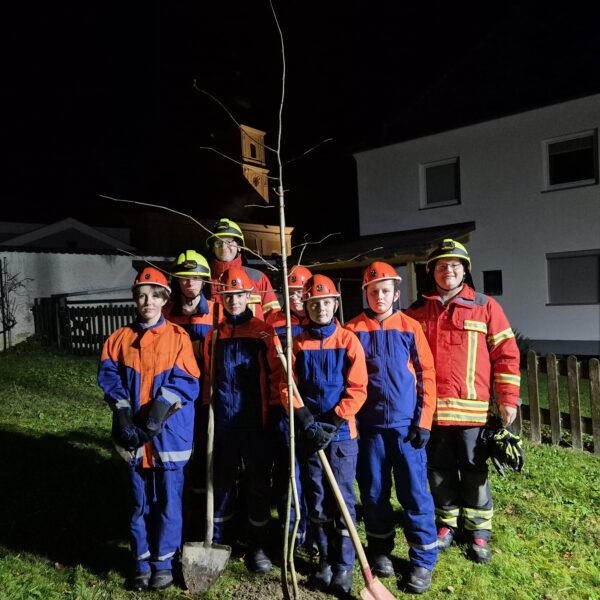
{"x": 378, "y": 271}
{"x": 319, "y": 286}
{"x": 235, "y": 280}
{"x": 151, "y": 276}
{"x": 298, "y": 276}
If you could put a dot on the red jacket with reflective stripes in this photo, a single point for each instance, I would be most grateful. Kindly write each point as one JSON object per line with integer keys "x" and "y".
{"x": 476, "y": 355}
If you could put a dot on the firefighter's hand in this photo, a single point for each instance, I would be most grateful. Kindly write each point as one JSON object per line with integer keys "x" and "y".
{"x": 418, "y": 436}
{"x": 132, "y": 437}
{"x": 318, "y": 436}
{"x": 508, "y": 414}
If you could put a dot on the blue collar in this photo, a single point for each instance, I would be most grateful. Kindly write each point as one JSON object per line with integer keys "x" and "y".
{"x": 145, "y": 327}
{"x": 320, "y": 332}
{"x": 238, "y": 319}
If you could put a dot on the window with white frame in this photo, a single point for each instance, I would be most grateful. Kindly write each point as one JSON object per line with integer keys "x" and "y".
{"x": 574, "y": 277}
{"x": 440, "y": 183}
{"x": 571, "y": 160}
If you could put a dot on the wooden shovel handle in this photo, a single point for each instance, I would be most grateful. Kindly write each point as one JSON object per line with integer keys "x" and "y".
{"x": 210, "y": 433}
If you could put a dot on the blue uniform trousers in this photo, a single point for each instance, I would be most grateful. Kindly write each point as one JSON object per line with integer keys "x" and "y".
{"x": 327, "y": 525}
{"x": 251, "y": 450}
{"x": 458, "y": 476}
{"x": 156, "y": 521}
{"x": 382, "y": 452}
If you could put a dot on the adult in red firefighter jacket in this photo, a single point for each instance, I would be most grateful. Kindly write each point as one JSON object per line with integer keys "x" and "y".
{"x": 226, "y": 244}
{"x": 149, "y": 369}
{"x": 330, "y": 370}
{"x": 246, "y": 389}
{"x": 477, "y": 362}
{"x": 400, "y": 396}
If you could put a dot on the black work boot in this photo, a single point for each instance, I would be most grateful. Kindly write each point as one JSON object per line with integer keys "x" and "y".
{"x": 341, "y": 583}
{"x": 445, "y": 537}
{"x": 321, "y": 578}
{"x": 418, "y": 580}
{"x": 161, "y": 579}
{"x": 382, "y": 566}
{"x": 258, "y": 562}
{"x": 479, "y": 551}
{"x": 139, "y": 582}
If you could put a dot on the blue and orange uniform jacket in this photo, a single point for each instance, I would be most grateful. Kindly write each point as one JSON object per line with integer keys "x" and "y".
{"x": 401, "y": 389}
{"x": 141, "y": 364}
{"x": 277, "y": 320}
{"x": 331, "y": 374}
{"x": 247, "y": 372}
{"x": 476, "y": 355}
{"x": 197, "y": 325}
{"x": 262, "y": 298}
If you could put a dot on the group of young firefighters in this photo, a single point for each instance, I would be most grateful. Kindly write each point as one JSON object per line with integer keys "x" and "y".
{"x": 390, "y": 396}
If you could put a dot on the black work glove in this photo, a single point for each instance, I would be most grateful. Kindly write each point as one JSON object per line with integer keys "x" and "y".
{"x": 129, "y": 436}
{"x": 506, "y": 452}
{"x": 332, "y": 417}
{"x": 156, "y": 417}
{"x": 318, "y": 436}
{"x": 418, "y": 436}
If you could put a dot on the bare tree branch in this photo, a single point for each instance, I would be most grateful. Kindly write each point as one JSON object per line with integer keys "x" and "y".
{"x": 177, "y": 212}
{"x": 291, "y": 160}
{"x": 237, "y": 162}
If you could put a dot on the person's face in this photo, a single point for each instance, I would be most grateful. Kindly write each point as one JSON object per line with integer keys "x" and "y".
{"x": 190, "y": 286}
{"x": 236, "y": 302}
{"x": 149, "y": 304}
{"x": 226, "y": 248}
{"x": 448, "y": 273}
{"x": 321, "y": 310}
{"x": 381, "y": 296}
{"x": 296, "y": 303}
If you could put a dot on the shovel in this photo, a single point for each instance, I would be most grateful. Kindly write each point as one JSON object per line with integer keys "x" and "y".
{"x": 374, "y": 589}
{"x": 204, "y": 562}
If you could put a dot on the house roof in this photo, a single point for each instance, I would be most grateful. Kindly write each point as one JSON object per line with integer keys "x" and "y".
{"x": 396, "y": 247}
{"x": 68, "y": 234}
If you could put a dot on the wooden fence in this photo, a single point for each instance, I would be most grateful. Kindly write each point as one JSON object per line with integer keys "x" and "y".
{"x": 578, "y": 373}
{"x": 79, "y": 328}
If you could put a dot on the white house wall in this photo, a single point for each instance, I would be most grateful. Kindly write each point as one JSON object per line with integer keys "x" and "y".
{"x": 502, "y": 177}
{"x": 45, "y": 274}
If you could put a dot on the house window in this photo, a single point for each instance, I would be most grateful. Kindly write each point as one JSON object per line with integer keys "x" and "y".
{"x": 571, "y": 160}
{"x": 574, "y": 277}
{"x": 492, "y": 283}
{"x": 440, "y": 183}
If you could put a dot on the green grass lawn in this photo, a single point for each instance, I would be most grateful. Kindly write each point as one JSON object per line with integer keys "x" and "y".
{"x": 63, "y": 501}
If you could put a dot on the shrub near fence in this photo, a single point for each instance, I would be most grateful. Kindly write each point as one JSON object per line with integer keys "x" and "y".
{"x": 577, "y": 372}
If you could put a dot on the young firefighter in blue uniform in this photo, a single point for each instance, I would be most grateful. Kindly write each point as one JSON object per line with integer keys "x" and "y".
{"x": 329, "y": 367}
{"x": 296, "y": 280}
{"x": 191, "y": 310}
{"x": 246, "y": 388}
{"x": 394, "y": 425}
{"x": 150, "y": 380}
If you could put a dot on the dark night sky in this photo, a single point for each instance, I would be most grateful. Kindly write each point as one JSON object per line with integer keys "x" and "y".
{"x": 97, "y": 97}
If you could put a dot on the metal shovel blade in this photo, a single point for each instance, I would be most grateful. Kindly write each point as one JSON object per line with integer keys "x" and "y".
{"x": 203, "y": 564}
{"x": 375, "y": 590}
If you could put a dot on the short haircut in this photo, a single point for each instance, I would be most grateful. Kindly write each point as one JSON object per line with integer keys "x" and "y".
{"x": 162, "y": 292}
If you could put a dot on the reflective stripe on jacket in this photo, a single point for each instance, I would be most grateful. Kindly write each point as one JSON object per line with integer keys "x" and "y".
{"x": 248, "y": 372}
{"x": 140, "y": 365}
{"x": 401, "y": 389}
{"x": 475, "y": 353}
{"x": 331, "y": 374}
